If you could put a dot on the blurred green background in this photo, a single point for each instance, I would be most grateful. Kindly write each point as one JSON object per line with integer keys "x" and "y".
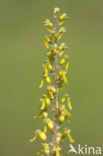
{"x": 21, "y": 55}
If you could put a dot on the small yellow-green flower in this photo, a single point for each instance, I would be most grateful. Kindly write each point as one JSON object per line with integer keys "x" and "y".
{"x": 64, "y": 77}
{"x": 46, "y": 44}
{"x": 33, "y": 139}
{"x": 48, "y": 80}
{"x": 50, "y": 67}
{"x": 49, "y": 122}
{"x": 61, "y": 53}
{"x": 67, "y": 67}
{"x": 56, "y": 10}
{"x": 46, "y": 149}
{"x": 63, "y": 16}
{"x": 41, "y": 84}
{"x": 63, "y": 100}
{"x": 45, "y": 71}
{"x": 61, "y": 118}
{"x": 47, "y": 100}
{"x": 62, "y": 61}
{"x": 69, "y": 104}
{"x": 43, "y": 104}
{"x": 48, "y": 23}
{"x": 62, "y": 30}
{"x": 62, "y": 46}
{"x": 51, "y": 95}
{"x": 42, "y": 135}
{"x": 45, "y": 114}
{"x": 52, "y": 89}
{"x": 69, "y": 137}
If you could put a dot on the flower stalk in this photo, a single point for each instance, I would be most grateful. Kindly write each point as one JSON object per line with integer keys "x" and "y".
{"x": 54, "y": 77}
{"x": 55, "y": 108}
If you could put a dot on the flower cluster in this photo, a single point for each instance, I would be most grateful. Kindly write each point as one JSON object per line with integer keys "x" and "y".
{"x": 54, "y": 78}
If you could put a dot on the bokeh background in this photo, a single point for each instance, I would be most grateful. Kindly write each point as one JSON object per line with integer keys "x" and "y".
{"x": 21, "y": 55}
